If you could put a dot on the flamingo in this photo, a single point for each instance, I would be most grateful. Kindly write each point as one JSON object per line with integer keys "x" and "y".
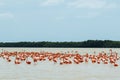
{"x": 115, "y": 64}
{"x": 17, "y": 62}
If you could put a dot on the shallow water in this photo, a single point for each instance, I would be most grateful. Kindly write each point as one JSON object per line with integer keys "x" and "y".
{"x": 80, "y": 50}
{"x": 49, "y": 71}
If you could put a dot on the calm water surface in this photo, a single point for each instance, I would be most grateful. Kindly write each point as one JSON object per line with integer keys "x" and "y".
{"x": 50, "y": 71}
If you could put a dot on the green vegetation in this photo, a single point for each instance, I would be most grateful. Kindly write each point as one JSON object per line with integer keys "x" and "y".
{"x": 83, "y": 44}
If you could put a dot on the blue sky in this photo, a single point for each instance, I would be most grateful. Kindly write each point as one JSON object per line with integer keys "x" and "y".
{"x": 59, "y": 20}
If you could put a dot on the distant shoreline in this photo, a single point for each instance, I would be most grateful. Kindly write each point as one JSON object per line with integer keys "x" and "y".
{"x": 81, "y": 44}
{"x": 55, "y": 47}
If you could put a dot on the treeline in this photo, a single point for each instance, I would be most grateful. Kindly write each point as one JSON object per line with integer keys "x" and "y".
{"x": 82, "y": 44}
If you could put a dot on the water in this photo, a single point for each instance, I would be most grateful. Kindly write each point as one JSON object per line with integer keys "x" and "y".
{"x": 50, "y": 71}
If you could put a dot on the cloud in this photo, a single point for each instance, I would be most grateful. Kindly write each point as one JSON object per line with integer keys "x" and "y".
{"x": 92, "y": 8}
{"x": 6, "y": 15}
{"x": 51, "y": 2}
{"x": 92, "y": 4}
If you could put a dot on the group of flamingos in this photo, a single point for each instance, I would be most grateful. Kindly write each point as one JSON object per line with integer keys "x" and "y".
{"x": 61, "y": 58}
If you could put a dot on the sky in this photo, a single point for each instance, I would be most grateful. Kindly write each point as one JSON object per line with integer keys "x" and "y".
{"x": 59, "y": 20}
